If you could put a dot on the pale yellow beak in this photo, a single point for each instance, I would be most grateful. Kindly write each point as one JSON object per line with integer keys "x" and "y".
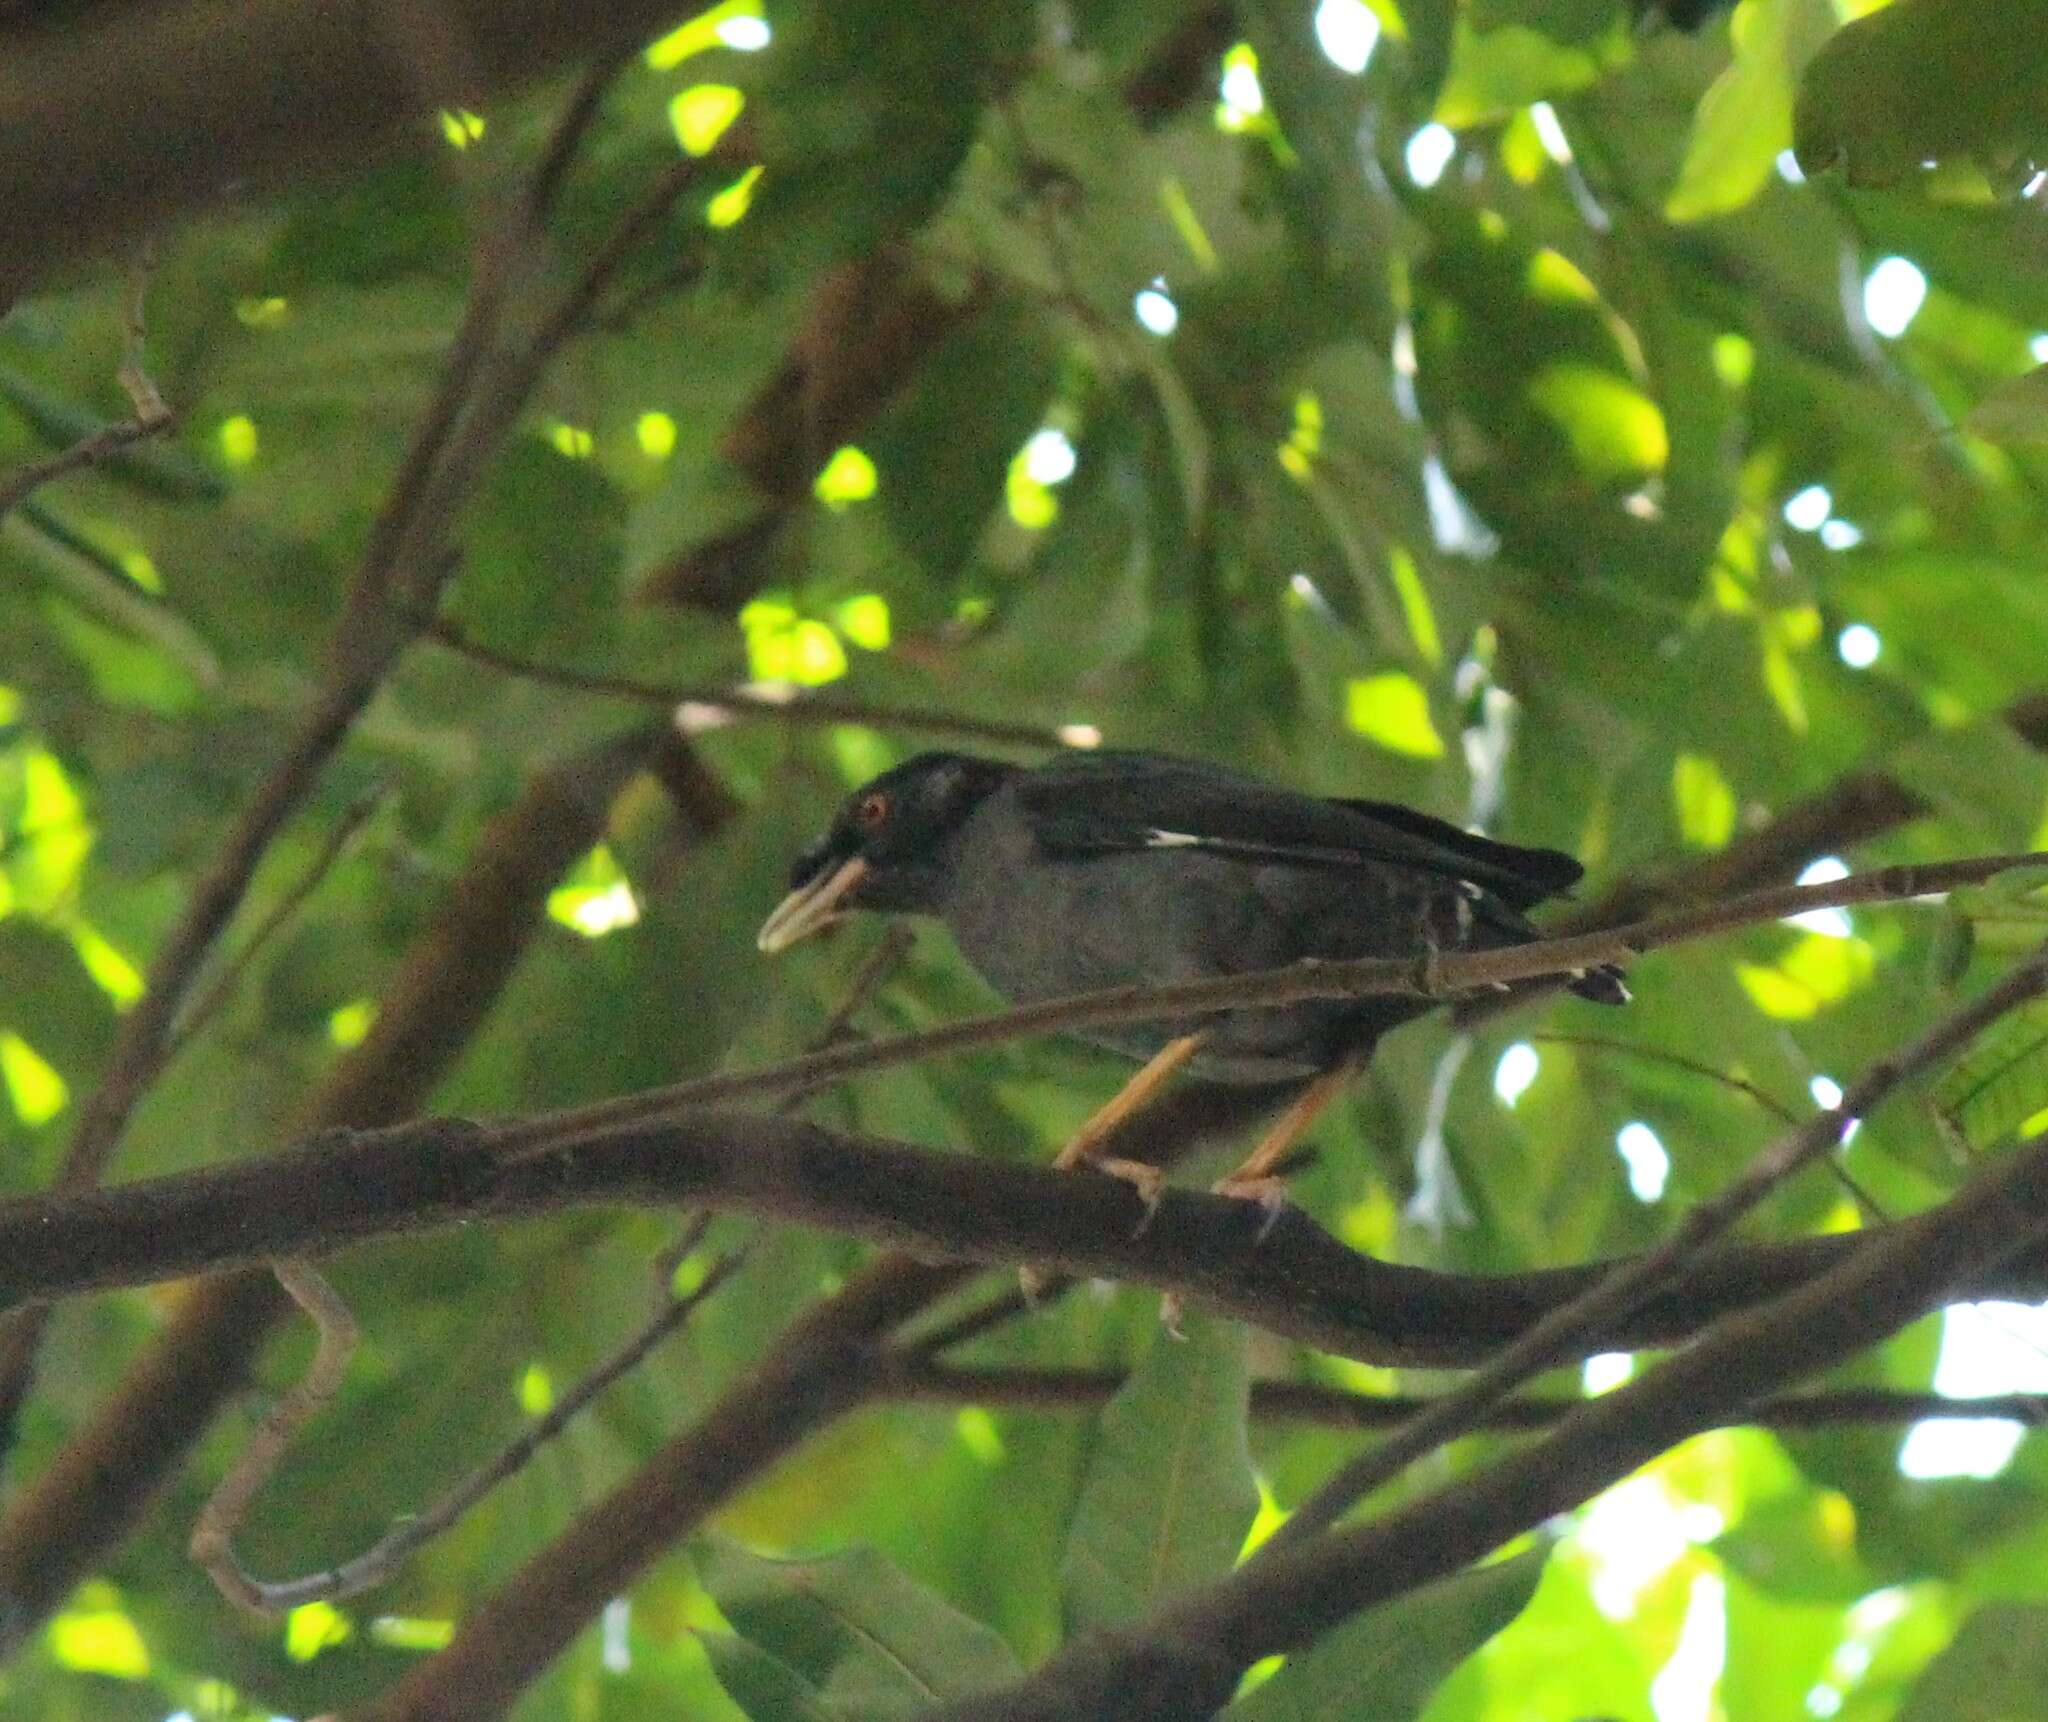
{"x": 810, "y": 907}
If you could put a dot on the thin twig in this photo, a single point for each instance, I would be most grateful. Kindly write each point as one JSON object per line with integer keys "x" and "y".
{"x": 786, "y": 703}
{"x": 545, "y": 184}
{"x": 87, "y": 451}
{"x": 136, "y": 383}
{"x": 866, "y": 980}
{"x": 150, "y": 418}
{"x": 473, "y": 405}
{"x": 1439, "y": 976}
{"x": 1676, "y": 1061}
{"x": 1550, "y": 1339}
{"x": 197, "y": 1014}
{"x": 1869, "y": 1205}
{"x": 1021, "y": 1387}
{"x": 212, "y": 1544}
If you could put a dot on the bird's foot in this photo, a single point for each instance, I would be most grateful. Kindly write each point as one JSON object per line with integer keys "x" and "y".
{"x": 1171, "y": 1309}
{"x": 1269, "y": 1193}
{"x": 1033, "y": 1281}
{"x": 1148, "y": 1181}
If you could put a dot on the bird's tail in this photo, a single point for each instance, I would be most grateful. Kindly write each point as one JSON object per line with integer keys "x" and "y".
{"x": 1603, "y": 985}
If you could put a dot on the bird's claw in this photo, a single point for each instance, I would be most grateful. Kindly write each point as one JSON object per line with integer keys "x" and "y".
{"x": 1270, "y": 1194}
{"x": 1032, "y": 1283}
{"x": 1148, "y": 1181}
{"x": 1171, "y": 1309}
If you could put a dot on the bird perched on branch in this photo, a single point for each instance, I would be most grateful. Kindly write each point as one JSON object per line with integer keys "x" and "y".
{"x": 1116, "y": 869}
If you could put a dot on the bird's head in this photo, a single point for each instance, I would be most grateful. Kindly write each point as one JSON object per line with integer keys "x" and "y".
{"x": 888, "y": 846}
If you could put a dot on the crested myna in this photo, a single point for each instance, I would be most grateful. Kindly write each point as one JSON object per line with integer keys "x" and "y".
{"x": 1113, "y": 869}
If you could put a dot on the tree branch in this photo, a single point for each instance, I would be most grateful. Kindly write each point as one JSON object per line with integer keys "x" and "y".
{"x": 1858, "y": 806}
{"x": 212, "y": 1544}
{"x": 149, "y": 416}
{"x": 824, "y": 1364}
{"x": 115, "y": 127}
{"x": 391, "y": 1551}
{"x": 785, "y": 703}
{"x": 350, "y": 1187}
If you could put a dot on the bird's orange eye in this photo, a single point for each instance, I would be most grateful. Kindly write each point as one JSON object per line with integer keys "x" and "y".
{"x": 873, "y": 811}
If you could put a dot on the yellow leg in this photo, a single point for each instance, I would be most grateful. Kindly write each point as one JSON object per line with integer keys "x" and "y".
{"x": 1254, "y": 1180}
{"x": 1085, "y": 1148}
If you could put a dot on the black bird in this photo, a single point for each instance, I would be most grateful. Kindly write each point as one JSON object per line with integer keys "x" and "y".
{"x": 1111, "y": 869}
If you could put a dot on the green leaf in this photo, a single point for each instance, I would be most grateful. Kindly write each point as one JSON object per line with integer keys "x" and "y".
{"x": 1170, "y": 1493}
{"x": 1745, "y": 118}
{"x": 1706, "y": 804}
{"x": 50, "y": 1000}
{"x": 767, "y": 1689}
{"x": 1493, "y": 72}
{"x": 870, "y": 1641}
{"x": 1927, "y": 80}
{"x": 944, "y": 451}
{"x": 2001, "y": 1081}
{"x": 1800, "y": 1545}
{"x": 1432, "y": 27}
{"x": 1995, "y": 1670}
{"x": 1383, "y": 1666}
{"x": 1981, "y": 779}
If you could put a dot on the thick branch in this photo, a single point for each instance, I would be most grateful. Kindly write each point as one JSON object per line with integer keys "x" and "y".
{"x": 1299, "y": 1282}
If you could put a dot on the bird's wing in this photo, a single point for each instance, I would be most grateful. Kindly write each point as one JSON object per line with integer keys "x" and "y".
{"x": 1103, "y": 802}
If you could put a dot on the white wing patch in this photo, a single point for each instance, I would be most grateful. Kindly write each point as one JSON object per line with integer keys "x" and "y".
{"x": 1156, "y": 839}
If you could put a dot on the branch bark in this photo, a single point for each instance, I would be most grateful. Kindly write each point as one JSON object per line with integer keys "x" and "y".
{"x": 1435, "y": 977}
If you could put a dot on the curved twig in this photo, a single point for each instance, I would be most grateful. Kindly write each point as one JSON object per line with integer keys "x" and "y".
{"x": 212, "y": 1544}
{"x": 785, "y": 704}
{"x": 1871, "y": 1208}
{"x": 211, "y": 1537}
